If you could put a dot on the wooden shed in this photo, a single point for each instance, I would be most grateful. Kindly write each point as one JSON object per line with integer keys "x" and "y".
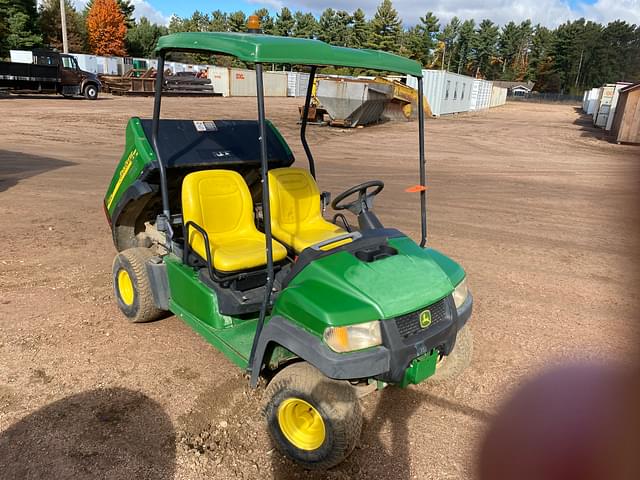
{"x": 626, "y": 123}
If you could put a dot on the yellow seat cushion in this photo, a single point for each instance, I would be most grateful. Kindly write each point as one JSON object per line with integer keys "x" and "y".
{"x": 219, "y": 201}
{"x": 296, "y": 218}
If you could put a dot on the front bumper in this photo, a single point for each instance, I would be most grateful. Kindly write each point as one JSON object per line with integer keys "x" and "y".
{"x": 387, "y": 362}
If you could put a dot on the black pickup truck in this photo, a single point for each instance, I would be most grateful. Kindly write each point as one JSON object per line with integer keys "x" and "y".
{"x": 50, "y": 72}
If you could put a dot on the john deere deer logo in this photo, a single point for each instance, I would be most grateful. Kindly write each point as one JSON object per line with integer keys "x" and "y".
{"x": 425, "y": 319}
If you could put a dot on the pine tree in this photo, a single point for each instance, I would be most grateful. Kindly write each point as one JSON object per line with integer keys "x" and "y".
{"x": 266, "y": 21}
{"x": 106, "y": 28}
{"x": 219, "y": 22}
{"x": 142, "y": 38}
{"x": 386, "y": 28}
{"x": 18, "y": 25}
{"x": 285, "y": 23}
{"x": 306, "y": 25}
{"x": 449, "y": 37}
{"x": 425, "y": 41}
{"x": 50, "y": 25}
{"x": 360, "y": 30}
{"x": 327, "y": 26}
{"x": 484, "y": 48}
{"x": 463, "y": 46}
{"x": 237, "y": 21}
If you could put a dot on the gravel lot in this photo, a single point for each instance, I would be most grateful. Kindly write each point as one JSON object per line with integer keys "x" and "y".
{"x": 533, "y": 202}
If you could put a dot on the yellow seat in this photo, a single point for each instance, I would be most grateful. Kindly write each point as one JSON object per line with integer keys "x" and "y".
{"x": 219, "y": 201}
{"x": 296, "y": 218}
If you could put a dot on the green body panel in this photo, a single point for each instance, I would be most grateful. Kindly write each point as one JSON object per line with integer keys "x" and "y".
{"x": 420, "y": 369}
{"x": 137, "y": 155}
{"x": 340, "y": 290}
{"x": 251, "y": 47}
{"x": 192, "y": 295}
{"x": 197, "y": 305}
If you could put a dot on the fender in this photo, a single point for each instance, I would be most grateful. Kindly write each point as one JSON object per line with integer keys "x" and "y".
{"x": 339, "y": 366}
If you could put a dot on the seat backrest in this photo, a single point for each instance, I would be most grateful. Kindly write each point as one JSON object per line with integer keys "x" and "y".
{"x": 219, "y": 201}
{"x": 295, "y": 198}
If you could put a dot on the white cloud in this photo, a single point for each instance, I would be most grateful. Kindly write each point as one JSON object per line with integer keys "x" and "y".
{"x": 547, "y": 12}
{"x": 143, "y": 9}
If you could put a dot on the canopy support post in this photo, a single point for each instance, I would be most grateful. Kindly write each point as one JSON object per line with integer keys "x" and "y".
{"x": 266, "y": 215}
{"x": 164, "y": 220}
{"x": 305, "y": 115}
{"x": 423, "y": 163}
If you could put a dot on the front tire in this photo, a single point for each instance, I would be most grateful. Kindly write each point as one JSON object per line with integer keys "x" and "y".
{"x": 312, "y": 419}
{"x": 91, "y": 92}
{"x": 132, "y": 287}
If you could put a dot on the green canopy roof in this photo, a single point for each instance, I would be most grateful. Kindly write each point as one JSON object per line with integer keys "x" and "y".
{"x": 251, "y": 47}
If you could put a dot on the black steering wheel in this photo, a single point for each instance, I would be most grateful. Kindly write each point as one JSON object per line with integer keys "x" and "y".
{"x": 364, "y": 202}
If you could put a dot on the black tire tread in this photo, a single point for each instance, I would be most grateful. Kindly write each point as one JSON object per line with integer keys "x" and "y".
{"x": 338, "y": 400}
{"x": 136, "y": 258}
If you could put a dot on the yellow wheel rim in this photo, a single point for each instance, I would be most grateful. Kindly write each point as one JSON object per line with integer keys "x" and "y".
{"x": 125, "y": 287}
{"x": 301, "y": 424}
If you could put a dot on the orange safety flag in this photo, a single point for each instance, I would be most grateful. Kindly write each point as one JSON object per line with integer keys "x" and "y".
{"x": 416, "y": 188}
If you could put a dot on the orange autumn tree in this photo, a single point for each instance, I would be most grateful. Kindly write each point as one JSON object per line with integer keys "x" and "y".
{"x": 106, "y": 28}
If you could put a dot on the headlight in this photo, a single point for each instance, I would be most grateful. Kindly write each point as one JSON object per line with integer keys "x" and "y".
{"x": 460, "y": 293}
{"x": 353, "y": 337}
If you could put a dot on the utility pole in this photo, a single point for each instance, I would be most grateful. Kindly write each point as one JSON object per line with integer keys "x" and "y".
{"x": 63, "y": 18}
{"x": 579, "y": 68}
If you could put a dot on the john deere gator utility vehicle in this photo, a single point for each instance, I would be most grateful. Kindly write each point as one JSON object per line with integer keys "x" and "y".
{"x": 215, "y": 223}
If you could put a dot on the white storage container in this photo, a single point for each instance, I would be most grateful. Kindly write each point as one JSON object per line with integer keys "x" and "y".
{"x": 242, "y": 83}
{"x": 21, "y": 56}
{"x": 219, "y": 77}
{"x": 88, "y": 63}
{"x": 446, "y": 92}
{"x": 498, "y": 96}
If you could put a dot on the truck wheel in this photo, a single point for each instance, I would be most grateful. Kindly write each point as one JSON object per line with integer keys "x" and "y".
{"x": 91, "y": 92}
{"x": 131, "y": 285}
{"x": 454, "y": 364}
{"x": 312, "y": 419}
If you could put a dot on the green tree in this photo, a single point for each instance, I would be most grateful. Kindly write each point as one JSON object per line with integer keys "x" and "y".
{"x": 51, "y": 27}
{"x": 306, "y": 25}
{"x": 285, "y": 23}
{"x": 142, "y": 38}
{"x": 540, "y": 55}
{"x": 423, "y": 39}
{"x": 266, "y": 21}
{"x": 18, "y": 25}
{"x": 327, "y": 26}
{"x": 360, "y": 30}
{"x": 386, "y": 28}
{"x": 237, "y": 21}
{"x": 484, "y": 48}
{"x": 449, "y": 37}
{"x": 464, "y": 43}
{"x": 219, "y": 22}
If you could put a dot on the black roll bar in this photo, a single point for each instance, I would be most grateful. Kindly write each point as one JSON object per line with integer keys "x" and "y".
{"x": 423, "y": 163}
{"x": 155, "y": 125}
{"x": 305, "y": 114}
{"x": 266, "y": 212}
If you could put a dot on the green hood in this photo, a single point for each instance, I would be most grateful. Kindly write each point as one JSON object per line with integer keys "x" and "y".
{"x": 341, "y": 290}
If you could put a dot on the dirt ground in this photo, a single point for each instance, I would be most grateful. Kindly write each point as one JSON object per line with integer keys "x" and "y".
{"x": 538, "y": 208}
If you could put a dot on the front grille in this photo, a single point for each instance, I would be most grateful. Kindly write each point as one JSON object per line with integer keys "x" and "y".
{"x": 409, "y": 324}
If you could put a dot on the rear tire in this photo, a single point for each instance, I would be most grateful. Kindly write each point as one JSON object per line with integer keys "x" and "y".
{"x": 91, "y": 92}
{"x": 312, "y": 419}
{"x": 132, "y": 287}
{"x": 453, "y": 365}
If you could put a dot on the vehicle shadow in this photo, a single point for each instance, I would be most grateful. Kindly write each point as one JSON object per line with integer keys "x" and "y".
{"x": 49, "y": 96}
{"x": 585, "y": 122}
{"x": 112, "y": 433}
{"x": 384, "y": 450}
{"x": 16, "y": 166}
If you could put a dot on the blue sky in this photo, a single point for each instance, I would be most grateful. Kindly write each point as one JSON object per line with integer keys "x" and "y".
{"x": 548, "y": 12}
